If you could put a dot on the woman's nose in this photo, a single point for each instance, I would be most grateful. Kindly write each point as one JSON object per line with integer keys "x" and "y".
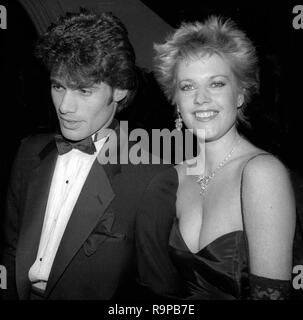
{"x": 202, "y": 96}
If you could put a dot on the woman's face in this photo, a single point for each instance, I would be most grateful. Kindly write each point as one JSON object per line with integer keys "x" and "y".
{"x": 207, "y": 95}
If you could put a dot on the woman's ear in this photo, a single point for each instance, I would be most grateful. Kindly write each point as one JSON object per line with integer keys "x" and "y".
{"x": 240, "y": 100}
{"x": 177, "y": 108}
{"x": 120, "y": 94}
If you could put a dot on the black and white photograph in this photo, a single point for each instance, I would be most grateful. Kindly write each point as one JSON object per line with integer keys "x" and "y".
{"x": 151, "y": 153}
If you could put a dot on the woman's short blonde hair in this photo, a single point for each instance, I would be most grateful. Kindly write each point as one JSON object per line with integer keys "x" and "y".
{"x": 215, "y": 36}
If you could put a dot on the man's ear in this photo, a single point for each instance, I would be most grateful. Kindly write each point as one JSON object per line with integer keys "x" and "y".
{"x": 119, "y": 94}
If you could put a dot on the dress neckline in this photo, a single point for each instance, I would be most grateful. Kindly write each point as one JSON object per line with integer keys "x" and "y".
{"x": 212, "y": 243}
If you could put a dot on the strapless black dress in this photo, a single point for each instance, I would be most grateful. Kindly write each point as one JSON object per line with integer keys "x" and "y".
{"x": 219, "y": 271}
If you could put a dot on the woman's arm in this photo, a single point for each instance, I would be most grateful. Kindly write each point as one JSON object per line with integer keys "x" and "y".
{"x": 269, "y": 220}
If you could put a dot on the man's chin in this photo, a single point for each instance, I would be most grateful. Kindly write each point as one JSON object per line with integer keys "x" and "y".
{"x": 73, "y": 136}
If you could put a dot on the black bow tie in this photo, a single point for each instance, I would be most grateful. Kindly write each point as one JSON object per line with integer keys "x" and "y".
{"x": 63, "y": 145}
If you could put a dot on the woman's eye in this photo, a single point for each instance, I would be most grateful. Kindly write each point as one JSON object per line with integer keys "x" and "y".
{"x": 217, "y": 84}
{"x": 187, "y": 87}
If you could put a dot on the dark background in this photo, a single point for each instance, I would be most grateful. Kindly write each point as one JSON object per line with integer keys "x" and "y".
{"x": 276, "y": 115}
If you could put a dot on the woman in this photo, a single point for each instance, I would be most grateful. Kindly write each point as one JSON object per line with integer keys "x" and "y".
{"x": 227, "y": 231}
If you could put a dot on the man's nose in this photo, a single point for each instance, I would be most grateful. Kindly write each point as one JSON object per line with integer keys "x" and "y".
{"x": 202, "y": 96}
{"x": 68, "y": 102}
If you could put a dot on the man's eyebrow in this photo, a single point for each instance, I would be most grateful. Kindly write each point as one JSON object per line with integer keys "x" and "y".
{"x": 57, "y": 81}
{"x": 88, "y": 86}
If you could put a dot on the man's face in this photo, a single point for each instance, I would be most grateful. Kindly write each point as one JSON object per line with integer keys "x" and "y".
{"x": 83, "y": 111}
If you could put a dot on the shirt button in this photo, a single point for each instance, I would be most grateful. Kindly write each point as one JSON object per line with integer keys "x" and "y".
{"x": 67, "y": 181}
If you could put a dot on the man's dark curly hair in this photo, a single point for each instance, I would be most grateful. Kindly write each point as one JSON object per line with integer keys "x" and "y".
{"x": 87, "y": 48}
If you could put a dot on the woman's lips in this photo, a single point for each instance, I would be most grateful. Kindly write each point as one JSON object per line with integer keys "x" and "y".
{"x": 205, "y": 116}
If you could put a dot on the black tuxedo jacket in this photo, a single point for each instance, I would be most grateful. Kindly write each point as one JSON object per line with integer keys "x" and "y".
{"x": 96, "y": 257}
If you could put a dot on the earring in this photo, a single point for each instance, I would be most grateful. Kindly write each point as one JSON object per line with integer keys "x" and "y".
{"x": 178, "y": 122}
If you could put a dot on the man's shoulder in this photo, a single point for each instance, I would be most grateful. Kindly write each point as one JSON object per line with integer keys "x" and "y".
{"x": 134, "y": 180}
{"x": 31, "y": 146}
{"x": 36, "y": 143}
{"x": 140, "y": 175}
{"x": 146, "y": 171}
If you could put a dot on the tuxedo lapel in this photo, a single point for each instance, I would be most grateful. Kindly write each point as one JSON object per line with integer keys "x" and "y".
{"x": 36, "y": 201}
{"x": 95, "y": 197}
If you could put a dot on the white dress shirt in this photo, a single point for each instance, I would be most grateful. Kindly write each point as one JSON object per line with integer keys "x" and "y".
{"x": 70, "y": 173}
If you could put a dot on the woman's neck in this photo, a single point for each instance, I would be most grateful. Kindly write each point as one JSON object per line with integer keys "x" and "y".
{"x": 218, "y": 150}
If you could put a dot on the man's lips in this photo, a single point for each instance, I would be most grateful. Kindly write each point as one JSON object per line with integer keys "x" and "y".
{"x": 68, "y": 120}
{"x": 70, "y": 123}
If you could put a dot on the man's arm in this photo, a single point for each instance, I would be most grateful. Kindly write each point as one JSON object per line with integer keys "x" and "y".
{"x": 153, "y": 224}
{"x": 11, "y": 226}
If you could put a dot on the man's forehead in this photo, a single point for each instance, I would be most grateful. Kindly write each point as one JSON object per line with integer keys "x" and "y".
{"x": 57, "y": 79}
{"x": 73, "y": 78}
{"x": 73, "y": 83}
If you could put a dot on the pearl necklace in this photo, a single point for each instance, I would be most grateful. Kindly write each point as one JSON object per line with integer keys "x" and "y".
{"x": 204, "y": 181}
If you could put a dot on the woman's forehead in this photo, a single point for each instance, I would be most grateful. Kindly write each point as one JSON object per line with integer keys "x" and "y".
{"x": 207, "y": 64}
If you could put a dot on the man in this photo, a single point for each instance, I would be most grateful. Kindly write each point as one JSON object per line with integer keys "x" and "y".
{"x": 70, "y": 216}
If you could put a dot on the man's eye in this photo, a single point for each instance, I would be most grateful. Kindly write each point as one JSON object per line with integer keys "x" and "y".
{"x": 217, "y": 84}
{"x": 57, "y": 87}
{"x": 85, "y": 92}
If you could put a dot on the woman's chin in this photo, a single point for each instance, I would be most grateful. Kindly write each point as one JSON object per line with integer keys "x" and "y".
{"x": 204, "y": 135}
